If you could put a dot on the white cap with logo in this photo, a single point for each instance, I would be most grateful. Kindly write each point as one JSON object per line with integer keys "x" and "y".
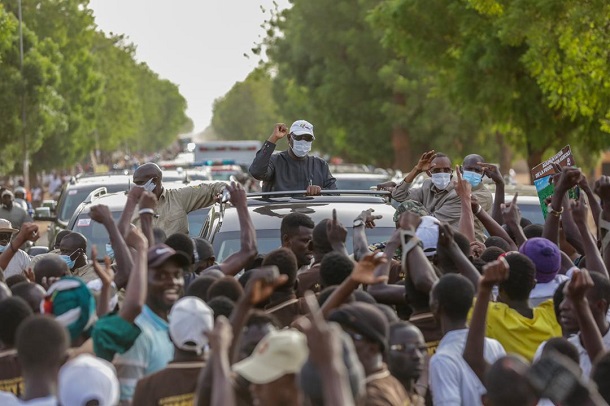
{"x": 301, "y": 127}
{"x": 189, "y": 320}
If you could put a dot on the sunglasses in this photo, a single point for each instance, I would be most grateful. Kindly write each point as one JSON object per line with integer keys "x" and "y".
{"x": 306, "y": 137}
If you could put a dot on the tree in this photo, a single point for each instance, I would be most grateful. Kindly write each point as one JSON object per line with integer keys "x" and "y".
{"x": 248, "y": 110}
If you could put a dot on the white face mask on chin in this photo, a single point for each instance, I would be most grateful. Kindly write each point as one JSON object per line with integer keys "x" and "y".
{"x": 301, "y": 148}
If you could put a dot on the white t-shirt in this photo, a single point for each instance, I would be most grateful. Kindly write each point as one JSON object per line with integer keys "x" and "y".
{"x": 19, "y": 263}
{"x": 451, "y": 379}
{"x": 545, "y": 291}
{"x": 8, "y": 399}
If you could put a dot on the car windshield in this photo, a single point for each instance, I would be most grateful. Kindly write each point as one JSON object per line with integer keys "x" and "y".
{"x": 228, "y": 243}
{"x": 71, "y": 198}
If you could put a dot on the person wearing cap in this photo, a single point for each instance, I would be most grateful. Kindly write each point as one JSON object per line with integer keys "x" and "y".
{"x": 20, "y": 200}
{"x": 189, "y": 321}
{"x": 292, "y": 169}
{"x": 369, "y": 330}
{"x": 11, "y": 212}
{"x": 86, "y": 380}
{"x": 20, "y": 261}
{"x": 173, "y": 205}
{"x": 546, "y": 256}
{"x": 153, "y": 348}
{"x": 273, "y": 367}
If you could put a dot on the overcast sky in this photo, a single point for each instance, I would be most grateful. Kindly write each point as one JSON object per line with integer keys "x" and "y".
{"x": 197, "y": 44}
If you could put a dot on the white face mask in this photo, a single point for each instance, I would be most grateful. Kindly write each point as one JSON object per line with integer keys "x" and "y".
{"x": 441, "y": 180}
{"x": 301, "y": 148}
{"x": 148, "y": 186}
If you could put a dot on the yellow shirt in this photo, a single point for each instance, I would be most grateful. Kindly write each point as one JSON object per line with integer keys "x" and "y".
{"x": 519, "y": 334}
{"x": 174, "y": 205}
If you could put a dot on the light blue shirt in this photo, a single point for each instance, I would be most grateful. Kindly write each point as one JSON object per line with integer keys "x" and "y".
{"x": 151, "y": 352}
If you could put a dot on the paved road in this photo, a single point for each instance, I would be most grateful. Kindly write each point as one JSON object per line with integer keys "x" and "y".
{"x": 42, "y": 229}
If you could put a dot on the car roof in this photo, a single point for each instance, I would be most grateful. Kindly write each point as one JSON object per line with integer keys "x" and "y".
{"x": 267, "y": 213}
{"x": 101, "y": 180}
{"x": 357, "y": 176}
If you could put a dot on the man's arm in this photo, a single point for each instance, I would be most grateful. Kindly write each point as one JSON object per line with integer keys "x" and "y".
{"x": 596, "y": 209}
{"x": 196, "y": 197}
{"x": 248, "y": 250}
{"x": 403, "y": 191}
{"x": 337, "y": 234}
{"x": 463, "y": 190}
{"x": 262, "y": 166}
{"x": 569, "y": 227}
{"x": 148, "y": 202}
{"x": 220, "y": 340}
{"x": 602, "y": 189}
{"x": 28, "y": 232}
{"x": 463, "y": 264}
{"x": 102, "y": 215}
{"x": 329, "y": 179}
{"x": 512, "y": 218}
{"x": 565, "y": 179}
{"x": 360, "y": 242}
{"x": 493, "y": 273}
{"x": 492, "y": 226}
{"x": 133, "y": 197}
{"x": 492, "y": 172}
{"x": 135, "y": 294}
{"x": 595, "y": 262}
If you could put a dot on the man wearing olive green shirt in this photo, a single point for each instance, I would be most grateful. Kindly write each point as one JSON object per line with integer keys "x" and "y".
{"x": 173, "y": 205}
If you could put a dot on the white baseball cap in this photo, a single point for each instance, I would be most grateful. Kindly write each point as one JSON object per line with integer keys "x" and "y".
{"x": 279, "y": 353}
{"x": 86, "y": 378}
{"x": 189, "y": 320}
{"x": 300, "y": 127}
{"x": 427, "y": 232}
{"x": 6, "y": 227}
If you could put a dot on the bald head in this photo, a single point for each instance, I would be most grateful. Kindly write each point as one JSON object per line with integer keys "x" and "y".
{"x": 51, "y": 266}
{"x": 471, "y": 161}
{"x": 60, "y": 237}
{"x": 32, "y": 293}
{"x": 147, "y": 172}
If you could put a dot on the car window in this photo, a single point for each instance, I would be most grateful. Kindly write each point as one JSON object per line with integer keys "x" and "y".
{"x": 532, "y": 212}
{"x": 71, "y": 198}
{"x": 357, "y": 184}
{"x": 94, "y": 232}
{"x": 227, "y": 243}
{"x": 196, "y": 219}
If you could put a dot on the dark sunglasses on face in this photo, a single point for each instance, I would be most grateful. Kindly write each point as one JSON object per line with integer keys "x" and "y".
{"x": 306, "y": 137}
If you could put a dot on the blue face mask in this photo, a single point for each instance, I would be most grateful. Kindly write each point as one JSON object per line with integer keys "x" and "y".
{"x": 472, "y": 177}
{"x": 68, "y": 261}
{"x": 2, "y": 248}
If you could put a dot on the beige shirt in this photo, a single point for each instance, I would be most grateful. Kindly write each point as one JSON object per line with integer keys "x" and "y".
{"x": 174, "y": 205}
{"x": 485, "y": 199}
{"x": 86, "y": 273}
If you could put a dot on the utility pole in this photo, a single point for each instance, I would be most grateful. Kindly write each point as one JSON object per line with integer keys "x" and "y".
{"x": 26, "y": 154}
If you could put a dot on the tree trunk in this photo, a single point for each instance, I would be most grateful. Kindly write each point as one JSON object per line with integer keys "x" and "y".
{"x": 506, "y": 154}
{"x": 534, "y": 157}
{"x": 402, "y": 149}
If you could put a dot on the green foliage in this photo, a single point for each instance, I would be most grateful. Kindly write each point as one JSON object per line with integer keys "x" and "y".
{"x": 248, "y": 110}
{"x": 84, "y": 90}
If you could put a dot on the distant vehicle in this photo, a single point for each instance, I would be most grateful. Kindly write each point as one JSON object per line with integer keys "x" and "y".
{"x": 239, "y": 152}
{"x": 74, "y": 193}
{"x": 359, "y": 181}
{"x": 348, "y": 168}
{"x": 221, "y": 227}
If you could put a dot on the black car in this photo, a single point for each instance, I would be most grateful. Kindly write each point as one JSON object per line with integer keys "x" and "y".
{"x": 267, "y": 210}
{"x": 74, "y": 192}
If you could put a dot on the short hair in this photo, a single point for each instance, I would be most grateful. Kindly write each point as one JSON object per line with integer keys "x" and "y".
{"x": 204, "y": 249}
{"x": 228, "y": 287}
{"x": 50, "y": 266}
{"x": 562, "y": 346}
{"x": 510, "y": 368}
{"x": 463, "y": 242}
{"x": 286, "y": 262}
{"x": 200, "y": 286}
{"x": 454, "y": 294}
{"x": 601, "y": 287}
{"x": 441, "y": 155}
{"x": 15, "y": 279}
{"x": 181, "y": 243}
{"x": 32, "y": 293}
{"x": 41, "y": 343}
{"x": 558, "y": 297}
{"x": 366, "y": 297}
{"x": 79, "y": 239}
{"x": 335, "y": 268}
{"x": 60, "y": 235}
{"x": 321, "y": 244}
{"x": 520, "y": 278}
{"x": 13, "y": 311}
{"x": 222, "y": 306}
{"x": 533, "y": 230}
{"x": 601, "y": 376}
{"x": 495, "y": 241}
{"x": 292, "y": 222}
{"x": 159, "y": 235}
{"x": 388, "y": 312}
{"x": 326, "y": 292}
{"x": 491, "y": 254}
{"x": 260, "y": 318}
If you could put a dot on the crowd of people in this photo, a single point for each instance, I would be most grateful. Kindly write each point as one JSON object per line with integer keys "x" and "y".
{"x": 465, "y": 303}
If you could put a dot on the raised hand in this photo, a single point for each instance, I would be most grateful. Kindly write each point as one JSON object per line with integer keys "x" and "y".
{"x": 221, "y": 336}
{"x": 136, "y": 239}
{"x": 238, "y": 195}
{"x": 364, "y": 270}
{"x": 262, "y": 284}
{"x": 135, "y": 193}
{"x": 106, "y": 274}
{"x": 580, "y": 210}
{"x": 335, "y": 231}
{"x": 368, "y": 218}
{"x": 279, "y": 131}
{"x": 27, "y": 232}
{"x": 101, "y": 213}
{"x": 148, "y": 200}
{"x": 425, "y": 161}
{"x": 492, "y": 172}
{"x": 494, "y": 272}
{"x": 29, "y": 273}
{"x": 567, "y": 179}
{"x": 323, "y": 338}
{"x": 477, "y": 248}
{"x": 462, "y": 187}
{"x": 511, "y": 212}
{"x": 576, "y": 289}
